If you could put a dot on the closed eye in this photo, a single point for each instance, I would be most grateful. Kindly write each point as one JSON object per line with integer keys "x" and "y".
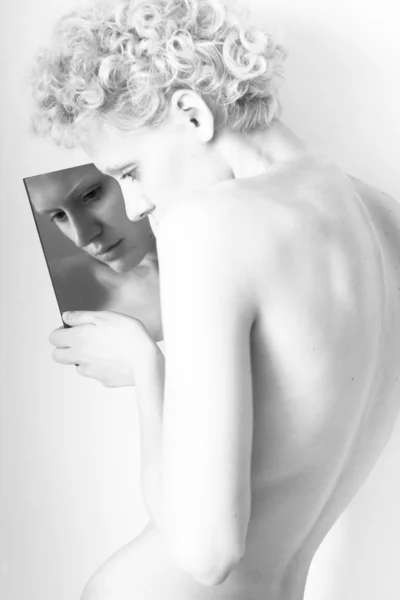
{"x": 91, "y": 196}
{"x": 131, "y": 174}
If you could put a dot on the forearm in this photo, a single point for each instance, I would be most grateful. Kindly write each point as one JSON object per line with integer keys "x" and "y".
{"x": 150, "y": 398}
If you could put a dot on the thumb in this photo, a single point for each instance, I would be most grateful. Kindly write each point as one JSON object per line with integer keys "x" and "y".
{"x": 79, "y": 317}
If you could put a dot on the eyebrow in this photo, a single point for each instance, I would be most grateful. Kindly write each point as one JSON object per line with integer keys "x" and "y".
{"x": 46, "y": 211}
{"x": 116, "y": 169}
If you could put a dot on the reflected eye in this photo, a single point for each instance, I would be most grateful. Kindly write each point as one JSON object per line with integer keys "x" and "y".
{"x": 59, "y": 217}
{"x": 91, "y": 196}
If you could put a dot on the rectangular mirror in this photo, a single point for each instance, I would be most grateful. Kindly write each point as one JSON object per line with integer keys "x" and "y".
{"x": 97, "y": 258}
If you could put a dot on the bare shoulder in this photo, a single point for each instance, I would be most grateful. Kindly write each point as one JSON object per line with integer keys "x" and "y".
{"x": 218, "y": 208}
{"x": 76, "y": 268}
{"x": 265, "y": 230}
{"x": 78, "y": 283}
{"x": 70, "y": 265}
{"x": 305, "y": 221}
{"x": 232, "y": 219}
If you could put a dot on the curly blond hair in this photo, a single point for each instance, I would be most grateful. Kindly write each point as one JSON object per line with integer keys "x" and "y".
{"x": 120, "y": 62}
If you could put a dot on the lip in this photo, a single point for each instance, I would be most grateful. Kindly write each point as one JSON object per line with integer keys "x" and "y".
{"x": 109, "y": 252}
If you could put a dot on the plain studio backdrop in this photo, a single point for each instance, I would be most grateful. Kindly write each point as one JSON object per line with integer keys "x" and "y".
{"x": 70, "y": 492}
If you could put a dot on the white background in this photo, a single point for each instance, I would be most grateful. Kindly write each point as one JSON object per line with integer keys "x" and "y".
{"x": 69, "y": 448}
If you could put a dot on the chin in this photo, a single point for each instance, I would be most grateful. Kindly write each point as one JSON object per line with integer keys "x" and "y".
{"x": 123, "y": 265}
{"x": 119, "y": 266}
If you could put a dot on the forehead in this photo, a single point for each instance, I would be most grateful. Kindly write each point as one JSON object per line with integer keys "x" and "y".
{"x": 110, "y": 147}
{"x": 54, "y": 189}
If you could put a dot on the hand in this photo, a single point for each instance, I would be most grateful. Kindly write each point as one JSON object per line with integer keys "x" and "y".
{"x": 104, "y": 345}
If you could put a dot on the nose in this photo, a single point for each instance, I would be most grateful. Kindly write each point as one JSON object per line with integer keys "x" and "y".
{"x": 84, "y": 231}
{"x": 137, "y": 205}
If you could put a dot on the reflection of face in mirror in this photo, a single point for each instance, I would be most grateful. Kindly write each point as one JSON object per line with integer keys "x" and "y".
{"x": 87, "y": 207}
{"x": 111, "y": 263}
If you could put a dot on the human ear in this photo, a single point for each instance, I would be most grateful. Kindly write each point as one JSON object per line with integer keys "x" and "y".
{"x": 191, "y": 107}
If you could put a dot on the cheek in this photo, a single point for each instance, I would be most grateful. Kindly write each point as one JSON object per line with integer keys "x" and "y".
{"x": 142, "y": 234}
{"x": 137, "y": 232}
{"x": 112, "y": 212}
{"x": 65, "y": 230}
{"x": 165, "y": 167}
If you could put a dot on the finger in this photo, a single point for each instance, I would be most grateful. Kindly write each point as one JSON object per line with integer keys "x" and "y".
{"x": 82, "y": 370}
{"x": 65, "y": 356}
{"x": 79, "y": 317}
{"x": 60, "y": 337}
{"x": 110, "y": 315}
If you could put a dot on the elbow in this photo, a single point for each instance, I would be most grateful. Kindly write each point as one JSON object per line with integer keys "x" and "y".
{"x": 212, "y": 575}
{"x": 209, "y": 567}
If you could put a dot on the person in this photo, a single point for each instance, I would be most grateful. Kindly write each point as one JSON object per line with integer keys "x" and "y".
{"x": 117, "y": 268}
{"x": 279, "y": 279}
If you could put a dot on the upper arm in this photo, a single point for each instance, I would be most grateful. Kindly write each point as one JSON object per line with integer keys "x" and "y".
{"x": 207, "y": 421}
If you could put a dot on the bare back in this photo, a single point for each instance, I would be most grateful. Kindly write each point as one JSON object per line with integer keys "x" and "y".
{"x": 326, "y": 363}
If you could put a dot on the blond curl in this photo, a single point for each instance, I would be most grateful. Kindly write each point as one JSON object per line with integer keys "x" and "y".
{"x": 121, "y": 62}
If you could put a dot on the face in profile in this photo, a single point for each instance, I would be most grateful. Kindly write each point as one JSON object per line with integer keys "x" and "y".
{"x": 87, "y": 206}
{"x": 159, "y": 167}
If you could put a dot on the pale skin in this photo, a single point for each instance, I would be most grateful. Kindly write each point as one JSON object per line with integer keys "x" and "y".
{"x": 282, "y": 355}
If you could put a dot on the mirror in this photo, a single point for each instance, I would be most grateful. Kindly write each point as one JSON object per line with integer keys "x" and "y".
{"x": 97, "y": 258}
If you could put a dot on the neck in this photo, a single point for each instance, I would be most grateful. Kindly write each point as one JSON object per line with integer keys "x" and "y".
{"x": 250, "y": 154}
